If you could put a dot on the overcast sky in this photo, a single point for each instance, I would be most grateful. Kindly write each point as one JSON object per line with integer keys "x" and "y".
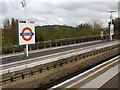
{"x": 50, "y": 12}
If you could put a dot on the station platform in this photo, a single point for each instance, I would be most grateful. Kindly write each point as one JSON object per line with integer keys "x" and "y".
{"x": 100, "y": 81}
{"x": 102, "y": 76}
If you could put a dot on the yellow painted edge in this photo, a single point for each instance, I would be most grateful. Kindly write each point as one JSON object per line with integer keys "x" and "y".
{"x": 75, "y": 83}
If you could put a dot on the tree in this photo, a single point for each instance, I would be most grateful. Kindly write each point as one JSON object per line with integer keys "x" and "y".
{"x": 116, "y": 23}
{"x": 13, "y": 24}
{"x": 97, "y": 26}
{"x": 6, "y": 24}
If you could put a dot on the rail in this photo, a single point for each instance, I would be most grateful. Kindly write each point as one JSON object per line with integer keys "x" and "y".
{"x": 13, "y": 76}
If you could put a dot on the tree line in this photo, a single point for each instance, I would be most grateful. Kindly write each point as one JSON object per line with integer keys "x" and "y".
{"x": 9, "y": 32}
{"x": 52, "y": 32}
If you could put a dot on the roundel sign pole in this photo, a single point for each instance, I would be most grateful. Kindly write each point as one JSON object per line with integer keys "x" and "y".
{"x": 26, "y": 34}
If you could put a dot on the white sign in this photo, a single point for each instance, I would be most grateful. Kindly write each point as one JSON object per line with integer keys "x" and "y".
{"x": 26, "y": 32}
{"x": 112, "y": 29}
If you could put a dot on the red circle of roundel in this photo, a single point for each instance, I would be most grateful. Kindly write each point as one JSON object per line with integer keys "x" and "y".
{"x": 27, "y": 39}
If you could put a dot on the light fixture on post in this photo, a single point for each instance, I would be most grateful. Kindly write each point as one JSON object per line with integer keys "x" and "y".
{"x": 111, "y": 24}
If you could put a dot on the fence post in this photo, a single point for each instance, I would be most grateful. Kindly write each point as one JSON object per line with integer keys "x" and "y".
{"x": 40, "y": 70}
{"x": 47, "y": 68}
{"x": 38, "y": 46}
{"x": 75, "y": 59}
{"x": 30, "y": 48}
{"x": 66, "y": 62}
{"x": 13, "y": 51}
{"x": 50, "y": 45}
{"x": 61, "y": 43}
{"x": 66, "y": 42}
{"x": 44, "y": 45}
{"x": 56, "y": 44}
{"x": 11, "y": 78}
{"x": 31, "y": 73}
{"x": 74, "y": 41}
{"x": 70, "y": 41}
{"x": 22, "y": 76}
{"x": 2, "y": 51}
{"x": 54, "y": 66}
{"x": 61, "y": 64}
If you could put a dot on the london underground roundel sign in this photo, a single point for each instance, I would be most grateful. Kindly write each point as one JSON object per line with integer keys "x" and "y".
{"x": 30, "y": 34}
{"x": 26, "y": 33}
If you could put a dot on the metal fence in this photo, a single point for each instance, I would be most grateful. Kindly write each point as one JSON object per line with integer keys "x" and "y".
{"x": 50, "y": 43}
{"x": 11, "y": 77}
{"x": 53, "y": 43}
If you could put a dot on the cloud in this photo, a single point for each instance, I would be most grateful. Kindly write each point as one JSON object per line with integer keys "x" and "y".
{"x": 69, "y": 12}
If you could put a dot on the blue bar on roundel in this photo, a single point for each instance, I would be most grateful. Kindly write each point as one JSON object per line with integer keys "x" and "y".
{"x": 26, "y": 34}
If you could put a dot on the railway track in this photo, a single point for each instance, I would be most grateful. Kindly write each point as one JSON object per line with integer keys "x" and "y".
{"x": 77, "y": 57}
{"x": 20, "y": 65}
{"x": 59, "y": 82}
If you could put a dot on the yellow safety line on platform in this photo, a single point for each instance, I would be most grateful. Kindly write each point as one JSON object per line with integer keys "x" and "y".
{"x": 75, "y": 83}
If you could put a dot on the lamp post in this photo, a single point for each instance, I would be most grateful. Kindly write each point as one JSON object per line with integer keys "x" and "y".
{"x": 24, "y": 6}
{"x": 111, "y": 25}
